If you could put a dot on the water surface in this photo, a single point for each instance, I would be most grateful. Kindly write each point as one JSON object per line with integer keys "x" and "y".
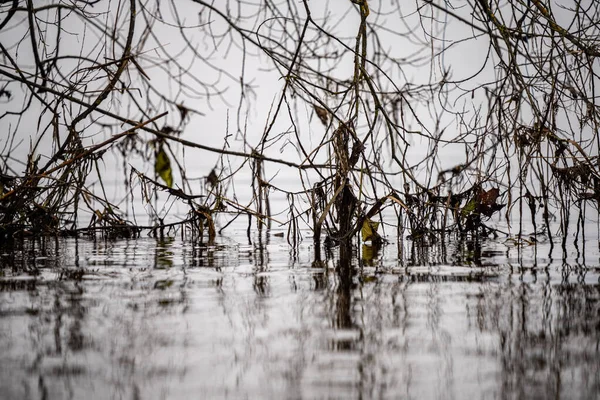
{"x": 170, "y": 319}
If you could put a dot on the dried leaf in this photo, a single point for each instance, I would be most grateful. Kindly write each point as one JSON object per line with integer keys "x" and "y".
{"x": 488, "y": 211}
{"x": 212, "y": 179}
{"x": 322, "y": 113}
{"x": 183, "y": 111}
{"x": 357, "y": 149}
{"x": 483, "y": 202}
{"x": 489, "y": 198}
{"x": 169, "y": 130}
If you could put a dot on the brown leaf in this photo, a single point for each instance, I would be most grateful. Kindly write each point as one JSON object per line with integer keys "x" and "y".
{"x": 489, "y": 198}
{"x": 212, "y": 178}
{"x": 183, "y": 111}
{"x": 490, "y": 210}
{"x": 487, "y": 202}
{"x": 322, "y": 113}
{"x": 169, "y": 130}
{"x": 357, "y": 149}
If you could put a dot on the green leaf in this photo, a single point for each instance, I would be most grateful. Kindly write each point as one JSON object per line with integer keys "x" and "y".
{"x": 470, "y": 207}
{"x": 163, "y": 167}
{"x": 369, "y": 230}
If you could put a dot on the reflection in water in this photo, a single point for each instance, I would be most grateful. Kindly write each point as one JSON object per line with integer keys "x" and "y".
{"x": 170, "y": 319}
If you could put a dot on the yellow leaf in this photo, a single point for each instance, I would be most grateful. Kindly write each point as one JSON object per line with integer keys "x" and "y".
{"x": 163, "y": 167}
{"x": 368, "y": 254}
{"x": 369, "y": 230}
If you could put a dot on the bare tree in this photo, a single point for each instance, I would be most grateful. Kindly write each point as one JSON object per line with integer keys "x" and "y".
{"x": 502, "y": 95}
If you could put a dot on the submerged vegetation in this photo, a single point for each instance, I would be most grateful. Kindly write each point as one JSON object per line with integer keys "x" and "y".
{"x": 501, "y": 95}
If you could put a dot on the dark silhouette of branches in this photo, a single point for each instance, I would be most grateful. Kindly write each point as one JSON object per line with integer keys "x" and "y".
{"x": 441, "y": 113}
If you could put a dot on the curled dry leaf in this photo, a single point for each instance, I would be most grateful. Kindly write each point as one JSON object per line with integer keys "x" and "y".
{"x": 169, "y": 130}
{"x": 212, "y": 179}
{"x": 322, "y": 113}
{"x": 183, "y": 111}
